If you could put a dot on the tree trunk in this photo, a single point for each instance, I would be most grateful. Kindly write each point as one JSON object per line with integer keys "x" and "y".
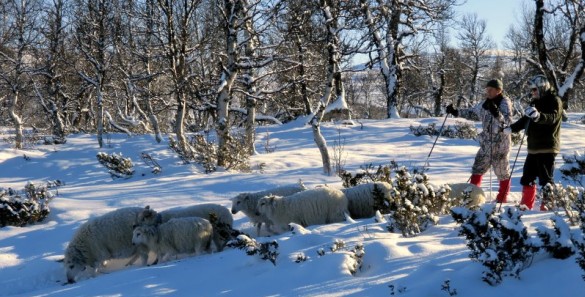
{"x": 386, "y": 56}
{"x": 18, "y": 139}
{"x": 100, "y": 116}
{"x": 226, "y": 81}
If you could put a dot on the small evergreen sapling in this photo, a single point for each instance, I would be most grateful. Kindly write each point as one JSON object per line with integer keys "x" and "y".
{"x": 19, "y": 208}
{"x": 574, "y": 167}
{"x": 118, "y": 166}
{"x": 557, "y": 241}
{"x": 499, "y": 242}
{"x": 579, "y": 239}
{"x": 266, "y": 251}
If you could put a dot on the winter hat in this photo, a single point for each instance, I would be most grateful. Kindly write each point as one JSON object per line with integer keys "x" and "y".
{"x": 495, "y": 83}
{"x": 540, "y": 83}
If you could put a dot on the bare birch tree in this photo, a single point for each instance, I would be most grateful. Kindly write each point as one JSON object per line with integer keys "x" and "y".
{"x": 559, "y": 70}
{"x": 17, "y": 43}
{"x": 54, "y": 72}
{"x": 178, "y": 43}
{"x": 390, "y": 23}
{"x": 475, "y": 44}
{"x": 333, "y": 84}
{"x": 92, "y": 34}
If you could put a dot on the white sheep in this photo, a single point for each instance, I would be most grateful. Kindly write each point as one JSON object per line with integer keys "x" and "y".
{"x": 100, "y": 239}
{"x": 248, "y": 203}
{"x": 361, "y": 198}
{"x": 477, "y": 195}
{"x": 149, "y": 216}
{"x": 187, "y": 235}
{"x": 311, "y": 207}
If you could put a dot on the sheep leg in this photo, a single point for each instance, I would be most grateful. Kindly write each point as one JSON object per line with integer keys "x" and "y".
{"x": 258, "y": 227}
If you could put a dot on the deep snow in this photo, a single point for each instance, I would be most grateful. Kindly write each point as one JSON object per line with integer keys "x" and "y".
{"x": 416, "y": 266}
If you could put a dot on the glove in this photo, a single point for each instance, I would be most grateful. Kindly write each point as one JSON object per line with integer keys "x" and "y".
{"x": 507, "y": 131}
{"x": 452, "y": 110}
{"x": 532, "y": 113}
{"x": 491, "y": 106}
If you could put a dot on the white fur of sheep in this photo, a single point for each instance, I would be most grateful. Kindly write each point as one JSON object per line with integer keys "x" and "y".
{"x": 361, "y": 198}
{"x": 477, "y": 195}
{"x": 149, "y": 216}
{"x": 311, "y": 207}
{"x": 100, "y": 239}
{"x": 178, "y": 236}
{"x": 248, "y": 203}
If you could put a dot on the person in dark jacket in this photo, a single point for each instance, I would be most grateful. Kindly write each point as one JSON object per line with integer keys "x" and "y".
{"x": 542, "y": 124}
{"x": 495, "y": 113}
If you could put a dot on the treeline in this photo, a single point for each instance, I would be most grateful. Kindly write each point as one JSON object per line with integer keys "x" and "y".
{"x": 162, "y": 66}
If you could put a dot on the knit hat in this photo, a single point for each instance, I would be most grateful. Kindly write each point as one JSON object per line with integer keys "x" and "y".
{"x": 495, "y": 83}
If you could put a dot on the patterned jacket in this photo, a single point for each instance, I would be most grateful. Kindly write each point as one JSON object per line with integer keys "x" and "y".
{"x": 492, "y": 127}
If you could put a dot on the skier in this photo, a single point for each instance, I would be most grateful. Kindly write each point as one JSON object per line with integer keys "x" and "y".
{"x": 495, "y": 113}
{"x": 542, "y": 121}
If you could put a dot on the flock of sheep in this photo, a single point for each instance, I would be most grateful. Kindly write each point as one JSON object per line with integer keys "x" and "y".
{"x": 134, "y": 232}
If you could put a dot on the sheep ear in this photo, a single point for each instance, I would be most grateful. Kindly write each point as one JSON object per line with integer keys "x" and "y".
{"x": 147, "y": 207}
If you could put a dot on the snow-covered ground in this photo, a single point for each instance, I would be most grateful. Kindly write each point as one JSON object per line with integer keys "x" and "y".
{"x": 416, "y": 266}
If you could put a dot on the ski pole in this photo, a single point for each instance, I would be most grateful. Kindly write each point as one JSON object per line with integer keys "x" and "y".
{"x": 440, "y": 131}
{"x": 515, "y": 159}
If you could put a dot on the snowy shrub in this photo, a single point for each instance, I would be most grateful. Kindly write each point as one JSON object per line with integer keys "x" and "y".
{"x": 237, "y": 156}
{"x": 461, "y": 130}
{"x": 19, "y": 208}
{"x": 499, "y": 242}
{"x": 339, "y": 154}
{"x": 266, "y": 251}
{"x": 356, "y": 254}
{"x": 413, "y": 198}
{"x": 574, "y": 167}
{"x": 555, "y": 197}
{"x": 367, "y": 174}
{"x": 556, "y": 241}
{"x": 205, "y": 152}
{"x": 151, "y": 162}
{"x": 579, "y": 239}
{"x": 446, "y": 286}
{"x": 301, "y": 257}
{"x": 186, "y": 157}
{"x": 118, "y": 166}
{"x": 30, "y": 138}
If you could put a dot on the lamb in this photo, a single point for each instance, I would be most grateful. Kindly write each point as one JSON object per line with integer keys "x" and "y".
{"x": 248, "y": 202}
{"x": 361, "y": 198}
{"x": 477, "y": 195}
{"x": 100, "y": 239}
{"x": 148, "y": 216}
{"x": 186, "y": 235}
{"x": 311, "y": 207}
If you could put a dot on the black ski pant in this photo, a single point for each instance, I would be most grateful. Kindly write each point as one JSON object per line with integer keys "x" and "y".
{"x": 539, "y": 166}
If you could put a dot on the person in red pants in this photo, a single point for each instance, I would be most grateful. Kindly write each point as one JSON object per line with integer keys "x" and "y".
{"x": 494, "y": 146}
{"x": 542, "y": 124}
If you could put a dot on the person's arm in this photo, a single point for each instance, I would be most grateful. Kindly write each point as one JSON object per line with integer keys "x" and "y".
{"x": 520, "y": 124}
{"x": 552, "y": 116}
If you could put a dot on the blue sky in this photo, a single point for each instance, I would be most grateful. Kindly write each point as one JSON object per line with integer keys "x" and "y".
{"x": 498, "y": 14}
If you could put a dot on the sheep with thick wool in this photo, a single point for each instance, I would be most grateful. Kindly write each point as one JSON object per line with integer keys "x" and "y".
{"x": 311, "y": 207}
{"x": 101, "y": 239}
{"x": 248, "y": 203}
{"x": 476, "y": 194}
{"x": 361, "y": 198}
{"x": 149, "y": 216}
{"x": 177, "y": 236}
